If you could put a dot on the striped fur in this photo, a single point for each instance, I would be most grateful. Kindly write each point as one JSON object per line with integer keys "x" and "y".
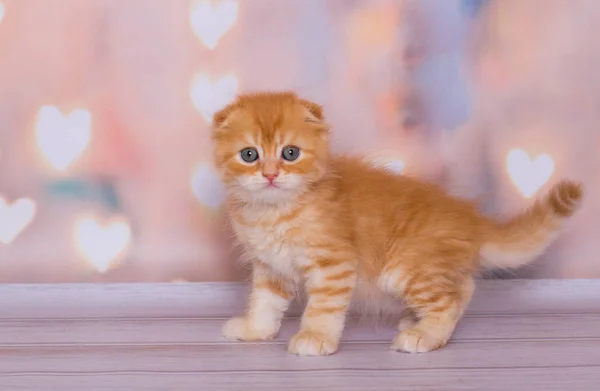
{"x": 521, "y": 239}
{"x": 343, "y": 231}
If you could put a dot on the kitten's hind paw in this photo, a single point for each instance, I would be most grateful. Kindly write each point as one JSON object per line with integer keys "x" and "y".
{"x": 415, "y": 340}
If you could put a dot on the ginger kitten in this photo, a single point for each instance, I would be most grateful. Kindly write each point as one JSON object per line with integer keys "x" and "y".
{"x": 342, "y": 229}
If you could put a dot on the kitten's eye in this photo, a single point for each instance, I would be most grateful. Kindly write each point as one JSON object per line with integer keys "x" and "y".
{"x": 290, "y": 153}
{"x": 249, "y": 155}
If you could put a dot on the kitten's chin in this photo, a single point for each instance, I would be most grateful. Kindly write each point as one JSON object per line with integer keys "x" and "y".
{"x": 274, "y": 195}
{"x": 271, "y": 196}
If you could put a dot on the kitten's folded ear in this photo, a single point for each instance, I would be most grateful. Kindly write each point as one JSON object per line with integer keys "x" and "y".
{"x": 221, "y": 117}
{"x": 314, "y": 112}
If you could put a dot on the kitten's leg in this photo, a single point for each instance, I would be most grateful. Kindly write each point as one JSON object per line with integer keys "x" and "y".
{"x": 269, "y": 299}
{"x": 408, "y": 319}
{"x": 439, "y": 302}
{"x": 329, "y": 286}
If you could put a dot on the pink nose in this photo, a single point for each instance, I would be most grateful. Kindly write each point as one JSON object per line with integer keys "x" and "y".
{"x": 270, "y": 177}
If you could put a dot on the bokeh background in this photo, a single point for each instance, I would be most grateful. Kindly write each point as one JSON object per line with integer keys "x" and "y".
{"x": 105, "y": 171}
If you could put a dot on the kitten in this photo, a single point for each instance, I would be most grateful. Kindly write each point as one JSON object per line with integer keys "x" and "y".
{"x": 343, "y": 229}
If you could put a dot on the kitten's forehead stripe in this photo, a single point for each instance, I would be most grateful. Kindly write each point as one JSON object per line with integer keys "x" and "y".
{"x": 267, "y": 125}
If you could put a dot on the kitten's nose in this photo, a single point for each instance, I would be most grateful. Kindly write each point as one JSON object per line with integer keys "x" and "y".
{"x": 270, "y": 177}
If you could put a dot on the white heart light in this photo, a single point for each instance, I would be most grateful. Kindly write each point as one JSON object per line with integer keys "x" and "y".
{"x": 391, "y": 164}
{"x": 62, "y": 139}
{"x": 15, "y": 217}
{"x": 102, "y": 245}
{"x": 207, "y": 187}
{"x": 1, "y": 11}
{"x": 210, "y": 22}
{"x": 396, "y": 166}
{"x": 209, "y": 97}
{"x": 528, "y": 175}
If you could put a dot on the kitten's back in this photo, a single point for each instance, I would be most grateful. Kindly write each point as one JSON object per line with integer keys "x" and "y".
{"x": 384, "y": 205}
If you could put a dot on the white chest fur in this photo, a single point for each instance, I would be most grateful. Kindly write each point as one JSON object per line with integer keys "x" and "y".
{"x": 272, "y": 244}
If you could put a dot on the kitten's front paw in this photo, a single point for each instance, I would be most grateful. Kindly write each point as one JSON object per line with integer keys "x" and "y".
{"x": 415, "y": 340}
{"x": 242, "y": 329}
{"x": 310, "y": 343}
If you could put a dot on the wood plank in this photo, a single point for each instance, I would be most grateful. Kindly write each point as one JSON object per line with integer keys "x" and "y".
{"x": 161, "y": 331}
{"x": 228, "y": 299}
{"x": 485, "y": 379}
{"x": 520, "y": 335}
{"x": 273, "y": 357}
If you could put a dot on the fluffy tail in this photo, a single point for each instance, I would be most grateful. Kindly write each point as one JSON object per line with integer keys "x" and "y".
{"x": 520, "y": 240}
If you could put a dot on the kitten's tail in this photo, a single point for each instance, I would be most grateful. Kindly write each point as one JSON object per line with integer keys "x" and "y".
{"x": 520, "y": 240}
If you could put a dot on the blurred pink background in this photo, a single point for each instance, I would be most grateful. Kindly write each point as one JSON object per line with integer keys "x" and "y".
{"x": 104, "y": 151}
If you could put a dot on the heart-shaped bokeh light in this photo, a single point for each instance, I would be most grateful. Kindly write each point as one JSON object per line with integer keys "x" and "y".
{"x": 15, "y": 217}
{"x": 211, "y": 96}
{"x": 102, "y": 244}
{"x": 1, "y": 11}
{"x": 395, "y": 165}
{"x": 60, "y": 138}
{"x": 211, "y": 19}
{"x": 207, "y": 187}
{"x": 528, "y": 175}
{"x": 391, "y": 163}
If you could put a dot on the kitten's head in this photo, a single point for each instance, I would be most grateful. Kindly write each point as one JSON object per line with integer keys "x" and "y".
{"x": 270, "y": 147}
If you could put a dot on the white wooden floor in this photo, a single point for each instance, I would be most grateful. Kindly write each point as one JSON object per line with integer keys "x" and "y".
{"x": 517, "y": 335}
